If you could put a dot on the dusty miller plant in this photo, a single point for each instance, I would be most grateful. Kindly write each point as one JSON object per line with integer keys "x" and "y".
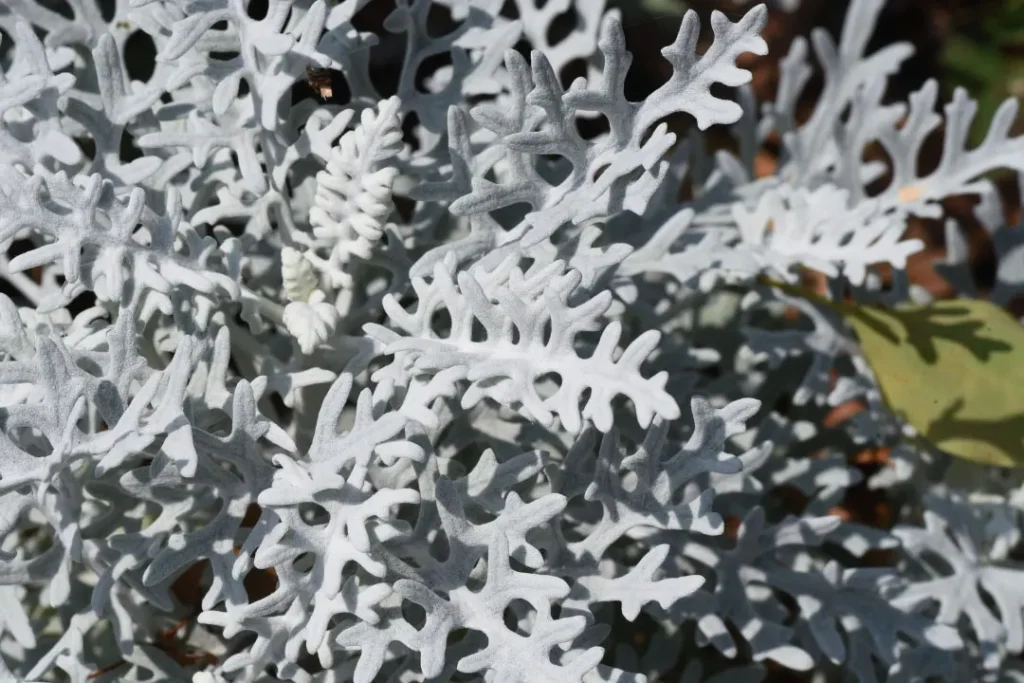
{"x": 464, "y": 380}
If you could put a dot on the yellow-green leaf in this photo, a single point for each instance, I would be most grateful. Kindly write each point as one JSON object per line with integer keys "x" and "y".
{"x": 954, "y": 370}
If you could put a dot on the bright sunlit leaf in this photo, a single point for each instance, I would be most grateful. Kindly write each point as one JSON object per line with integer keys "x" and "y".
{"x": 954, "y": 370}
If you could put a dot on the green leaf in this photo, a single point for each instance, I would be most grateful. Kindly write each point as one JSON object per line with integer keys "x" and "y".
{"x": 665, "y": 8}
{"x": 954, "y": 370}
{"x": 978, "y": 62}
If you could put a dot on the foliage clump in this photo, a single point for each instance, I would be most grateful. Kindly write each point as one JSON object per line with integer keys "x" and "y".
{"x": 341, "y": 351}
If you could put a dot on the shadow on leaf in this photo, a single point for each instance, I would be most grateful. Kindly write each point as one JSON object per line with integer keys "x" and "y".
{"x": 925, "y": 326}
{"x": 997, "y": 441}
{"x": 928, "y": 325}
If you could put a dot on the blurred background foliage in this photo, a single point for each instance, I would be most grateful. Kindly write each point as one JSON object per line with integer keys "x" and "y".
{"x": 974, "y": 44}
{"x": 983, "y": 51}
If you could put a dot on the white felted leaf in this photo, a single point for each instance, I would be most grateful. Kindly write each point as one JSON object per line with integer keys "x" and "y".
{"x": 311, "y": 322}
{"x": 507, "y": 370}
{"x": 353, "y": 196}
